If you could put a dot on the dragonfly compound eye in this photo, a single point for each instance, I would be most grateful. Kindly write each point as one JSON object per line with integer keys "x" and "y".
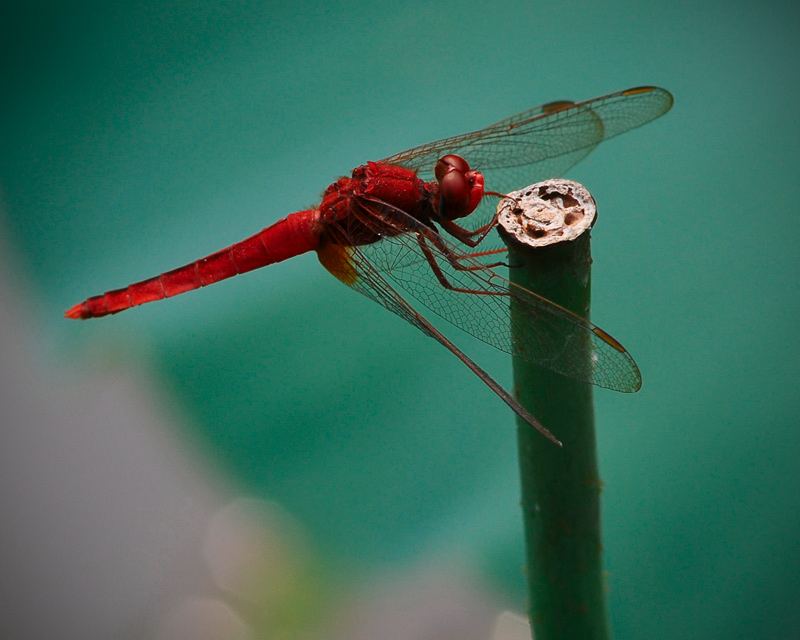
{"x": 454, "y": 193}
{"x": 449, "y": 163}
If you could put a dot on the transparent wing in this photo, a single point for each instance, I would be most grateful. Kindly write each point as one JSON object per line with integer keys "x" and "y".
{"x": 540, "y": 143}
{"x": 349, "y": 264}
{"x": 415, "y": 259}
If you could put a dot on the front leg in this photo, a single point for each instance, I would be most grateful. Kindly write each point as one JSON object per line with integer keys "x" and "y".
{"x": 455, "y": 263}
{"x": 456, "y": 259}
{"x": 463, "y": 235}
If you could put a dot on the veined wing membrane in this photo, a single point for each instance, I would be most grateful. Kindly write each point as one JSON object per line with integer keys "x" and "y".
{"x": 478, "y": 300}
{"x": 539, "y": 143}
{"x": 349, "y": 264}
{"x": 544, "y": 132}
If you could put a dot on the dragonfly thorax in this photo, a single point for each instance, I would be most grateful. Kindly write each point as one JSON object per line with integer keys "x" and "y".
{"x": 375, "y": 199}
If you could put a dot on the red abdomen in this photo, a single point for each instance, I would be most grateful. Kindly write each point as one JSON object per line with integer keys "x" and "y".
{"x": 295, "y": 234}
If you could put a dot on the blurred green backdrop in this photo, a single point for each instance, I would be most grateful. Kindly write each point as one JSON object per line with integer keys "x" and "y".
{"x": 138, "y": 137}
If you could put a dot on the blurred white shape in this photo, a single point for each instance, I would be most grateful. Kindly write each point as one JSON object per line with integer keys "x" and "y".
{"x": 203, "y": 619}
{"x": 510, "y": 626}
{"x": 102, "y": 505}
{"x": 438, "y": 603}
{"x": 253, "y": 549}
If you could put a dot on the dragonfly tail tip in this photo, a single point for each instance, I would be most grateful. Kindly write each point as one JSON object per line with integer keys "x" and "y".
{"x": 76, "y": 312}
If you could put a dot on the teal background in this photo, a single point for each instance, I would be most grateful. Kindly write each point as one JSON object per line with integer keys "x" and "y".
{"x": 134, "y": 138}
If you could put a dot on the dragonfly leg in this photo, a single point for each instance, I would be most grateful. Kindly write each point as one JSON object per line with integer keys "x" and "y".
{"x": 483, "y": 254}
{"x": 465, "y": 236}
{"x": 453, "y": 260}
{"x": 456, "y": 259}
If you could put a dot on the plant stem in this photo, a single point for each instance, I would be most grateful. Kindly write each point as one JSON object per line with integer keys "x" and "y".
{"x": 560, "y": 486}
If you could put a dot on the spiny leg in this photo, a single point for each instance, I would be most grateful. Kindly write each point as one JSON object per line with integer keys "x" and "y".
{"x": 455, "y": 259}
{"x": 426, "y": 250}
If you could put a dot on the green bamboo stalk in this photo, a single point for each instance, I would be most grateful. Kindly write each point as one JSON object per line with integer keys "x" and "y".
{"x": 560, "y": 486}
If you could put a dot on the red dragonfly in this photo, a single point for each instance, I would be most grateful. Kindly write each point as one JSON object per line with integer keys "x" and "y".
{"x": 382, "y": 230}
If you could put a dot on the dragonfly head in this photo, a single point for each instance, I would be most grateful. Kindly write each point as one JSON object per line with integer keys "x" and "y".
{"x": 460, "y": 188}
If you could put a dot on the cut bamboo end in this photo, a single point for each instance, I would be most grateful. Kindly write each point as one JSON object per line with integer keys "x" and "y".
{"x": 547, "y": 213}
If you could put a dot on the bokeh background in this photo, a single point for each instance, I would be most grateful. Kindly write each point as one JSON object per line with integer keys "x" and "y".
{"x": 276, "y": 457}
